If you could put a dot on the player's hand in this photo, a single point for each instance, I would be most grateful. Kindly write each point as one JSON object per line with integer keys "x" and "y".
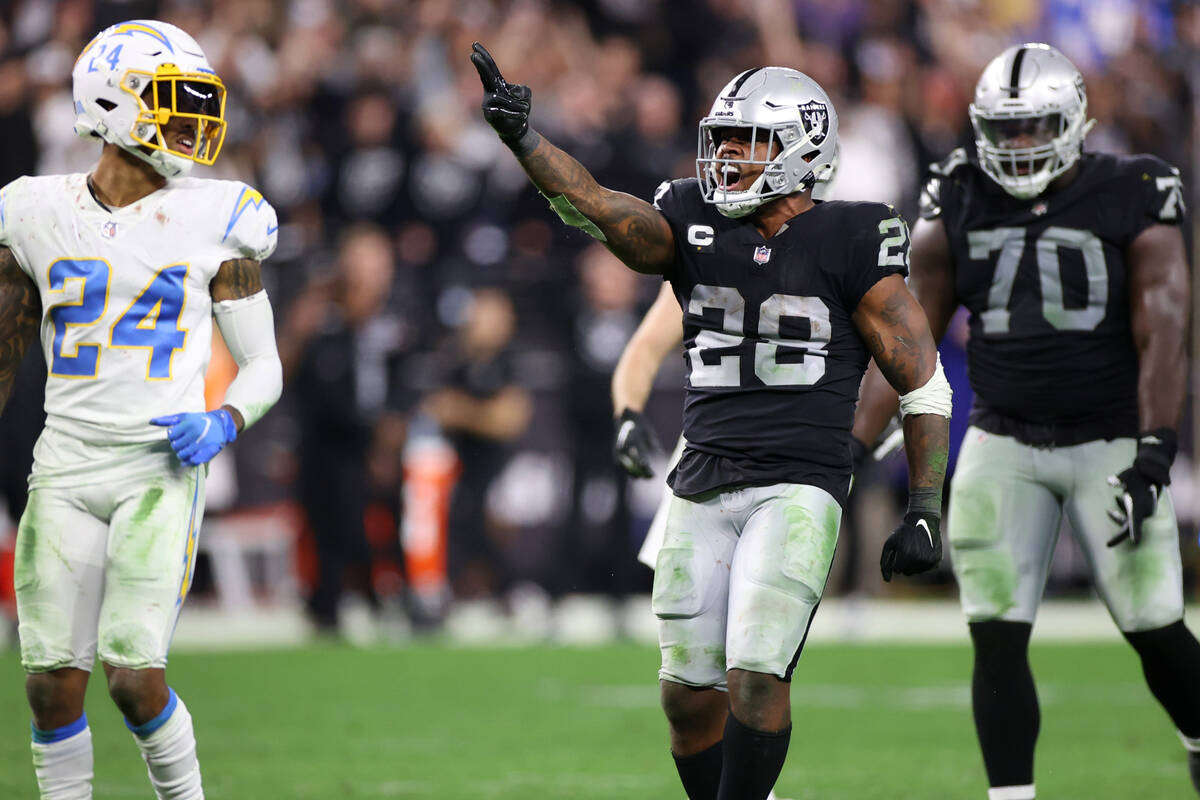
{"x": 1140, "y": 486}
{"x": 915, "y": 546}
{"x": 505, "y": 107}
{"x": 196, "y": 438}
{"x": 636, "y": 445}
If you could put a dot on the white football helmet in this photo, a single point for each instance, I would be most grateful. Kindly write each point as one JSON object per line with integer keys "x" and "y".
{"x": 1030, "y": 118}
{"x": 778, "y": 105}
{"x": 134, "y": 78}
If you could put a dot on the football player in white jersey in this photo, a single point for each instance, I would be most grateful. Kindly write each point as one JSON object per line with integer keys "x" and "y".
{"x": 122, "y": 272}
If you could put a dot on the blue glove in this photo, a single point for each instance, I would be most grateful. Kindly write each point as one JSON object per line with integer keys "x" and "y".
{"x": 198, "y": 437}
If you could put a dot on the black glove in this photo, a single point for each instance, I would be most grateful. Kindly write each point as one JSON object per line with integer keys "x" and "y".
{"x": 636, "y": 445}
{"x": 1141, "y": 485}
{"x": 913, "y": 547}
{"x": 505, "y": 107}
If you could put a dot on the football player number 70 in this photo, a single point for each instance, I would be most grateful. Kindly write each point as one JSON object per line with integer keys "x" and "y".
{"x": 1011, "y": 244}
{"x": 150, "y": 322}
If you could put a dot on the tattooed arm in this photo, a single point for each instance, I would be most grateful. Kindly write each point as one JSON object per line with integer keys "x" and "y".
{"x": 631, "y": 228}
{"x": 634, "y": 230}
{"x": 932, "y": 283}
{"x": 20, "y": 315}
{"x": 236, "y": 278}
{"x": 891, "y": 322}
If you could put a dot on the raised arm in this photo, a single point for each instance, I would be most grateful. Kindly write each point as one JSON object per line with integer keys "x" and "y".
{"x": 931, "y": 281}
{"x": 631, "y": 228}
{"x": 20, "y": 315}
{"x": 1159, "y": 299}
{"x": 660, "y": 332}
{"x": 891, "y": 322}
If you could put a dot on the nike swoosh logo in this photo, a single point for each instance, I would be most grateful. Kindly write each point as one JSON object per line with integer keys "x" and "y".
{"x": 1151, "y": 440}
{"x": 923, "y": 524}
{"x": 208, "y": 424}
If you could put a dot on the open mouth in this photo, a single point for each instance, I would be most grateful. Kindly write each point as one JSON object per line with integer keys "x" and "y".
{"x": 185, "y": 145}
{"x": 730, "y": 175}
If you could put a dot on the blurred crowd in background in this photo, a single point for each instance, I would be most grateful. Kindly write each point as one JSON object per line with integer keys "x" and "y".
{"x": 448, "y": 344}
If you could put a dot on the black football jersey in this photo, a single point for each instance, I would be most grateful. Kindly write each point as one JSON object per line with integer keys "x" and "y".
{"x": 774, "y": 360}
{"x": 1051, "y": 356}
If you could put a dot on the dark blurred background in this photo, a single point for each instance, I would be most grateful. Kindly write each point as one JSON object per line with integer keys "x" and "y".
{"x": 447, "y": 342}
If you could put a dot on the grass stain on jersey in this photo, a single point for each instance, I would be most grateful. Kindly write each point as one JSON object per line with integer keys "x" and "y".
{"x": 809, "y": 545}
{"x": 34, "y": 547}
{"x": 141, "y": 527}
{"x": 147, "y": 505}
{"x": 127, "y": 643}
{"x": 984, "y": 565}
{"x": 675, "y": 592}
{"x": 1143, "y": 573}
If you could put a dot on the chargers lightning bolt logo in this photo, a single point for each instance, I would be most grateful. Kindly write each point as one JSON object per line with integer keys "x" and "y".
{"x": 249, "y": 197}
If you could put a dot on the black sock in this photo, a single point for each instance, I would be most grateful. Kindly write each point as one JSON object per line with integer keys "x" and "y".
{"x": 700, "y": 772}
{"x": 1171, "y": 661}
{"x": 752, "y": 760}
{"x": 1005, "y": 701}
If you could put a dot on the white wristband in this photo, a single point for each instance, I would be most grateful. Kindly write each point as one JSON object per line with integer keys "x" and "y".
{"x": 935, "y": 397}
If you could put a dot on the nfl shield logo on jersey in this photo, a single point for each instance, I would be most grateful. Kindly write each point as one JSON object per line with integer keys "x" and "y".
{"x": 762, "y": 254}
{"x": 108, "y": 230}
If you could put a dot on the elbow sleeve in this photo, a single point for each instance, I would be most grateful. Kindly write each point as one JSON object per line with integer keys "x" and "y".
{"x": 248, "y": 327}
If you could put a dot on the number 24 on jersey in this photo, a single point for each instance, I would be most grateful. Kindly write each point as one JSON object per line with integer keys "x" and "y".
{"x": 151, "y": 321}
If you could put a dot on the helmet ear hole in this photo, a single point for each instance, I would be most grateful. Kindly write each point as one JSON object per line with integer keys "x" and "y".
{"x": 107, "y": 105}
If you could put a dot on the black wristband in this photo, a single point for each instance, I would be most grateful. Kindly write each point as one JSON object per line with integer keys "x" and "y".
{"x": 524, "y": 144}
{"x": 1155, "y": 454}
{"x": 926, "y": 502}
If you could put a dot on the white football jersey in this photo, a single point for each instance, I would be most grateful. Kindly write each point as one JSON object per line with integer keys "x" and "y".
{"x": 126, "y": 310}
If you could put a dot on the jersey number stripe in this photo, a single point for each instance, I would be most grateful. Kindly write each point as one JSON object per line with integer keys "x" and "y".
{"x": 716, "y": 356}
{"x": 151, "y": 320}
{"x": 1011, "y": 244}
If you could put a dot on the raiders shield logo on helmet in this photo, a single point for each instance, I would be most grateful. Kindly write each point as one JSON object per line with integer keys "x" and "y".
{"x": 816, "y": 121}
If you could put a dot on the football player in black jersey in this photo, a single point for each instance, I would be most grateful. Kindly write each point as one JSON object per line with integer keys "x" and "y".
{"x": 1072, "y": 266}
{"x": 785, "y": 301}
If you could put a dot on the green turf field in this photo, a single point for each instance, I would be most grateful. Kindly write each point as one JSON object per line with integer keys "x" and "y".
{"x": 870, "y": 721}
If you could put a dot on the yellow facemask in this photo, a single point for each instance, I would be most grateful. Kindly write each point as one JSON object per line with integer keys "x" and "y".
{"x": 170, "y": 94}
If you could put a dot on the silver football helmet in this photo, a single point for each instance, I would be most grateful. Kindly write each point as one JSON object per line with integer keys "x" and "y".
{"x": 1030, "y": 118}
{"x": 782, "y": 107}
